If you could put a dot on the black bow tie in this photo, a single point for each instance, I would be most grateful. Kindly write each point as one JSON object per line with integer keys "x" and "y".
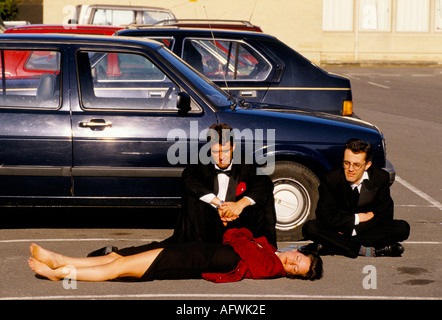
{"x": 226, "y": 172}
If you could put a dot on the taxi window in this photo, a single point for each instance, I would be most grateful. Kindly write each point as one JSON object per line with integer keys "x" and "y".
{"x": 30, "y": 79}
{"x": 225, "y": 59}
{"x": 123, "y": 81}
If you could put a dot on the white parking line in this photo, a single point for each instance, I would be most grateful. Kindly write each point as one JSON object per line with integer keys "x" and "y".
{"x": 423, "y": 75}
{"x": 151, "y": 240}
{"x": 420, "y": 193}
{"x": 146, "y": 240}
{"x": 352, "y": 76}
{"x": 386, "y": 75}
{"x": 378, "y": 85}
{"x": 423, "y": 242}
{"x": 184, "y": 296}
{"x": 415, "y": 205}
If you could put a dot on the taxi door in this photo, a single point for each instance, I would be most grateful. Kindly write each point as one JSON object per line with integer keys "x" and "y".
{"x": 124, "y": 124}
{"x": 35, "y": 127}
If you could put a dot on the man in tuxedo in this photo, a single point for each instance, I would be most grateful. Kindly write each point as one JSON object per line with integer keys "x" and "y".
{"x": 354, "y": 215}
{"x": 222, "y": 195}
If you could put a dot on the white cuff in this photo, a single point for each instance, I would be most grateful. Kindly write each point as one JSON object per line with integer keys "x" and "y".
{"x": 356, "y": 223}
{"x": 251, "y": 200}
{"x": 208, "y": 199}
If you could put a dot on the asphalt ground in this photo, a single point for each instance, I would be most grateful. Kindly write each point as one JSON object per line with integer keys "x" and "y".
{"x": 403, "y": 102}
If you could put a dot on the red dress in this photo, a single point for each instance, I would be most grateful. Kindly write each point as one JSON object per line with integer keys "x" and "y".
{"x": 258, "y": 258}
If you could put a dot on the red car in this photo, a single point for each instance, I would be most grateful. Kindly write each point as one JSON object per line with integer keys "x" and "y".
{"x": 68, "y": 28}
{"x": 25, "y": 64}
{"x": 35, "y": 63}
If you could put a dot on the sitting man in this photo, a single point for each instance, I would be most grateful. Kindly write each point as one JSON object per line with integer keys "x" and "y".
{"x": 222, "y": 195}
{"x": 354, "y": 215}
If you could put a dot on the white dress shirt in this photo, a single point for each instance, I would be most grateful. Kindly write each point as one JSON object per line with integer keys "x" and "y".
{"x": 223, "y": 184}
{"x": 359, "y": 186}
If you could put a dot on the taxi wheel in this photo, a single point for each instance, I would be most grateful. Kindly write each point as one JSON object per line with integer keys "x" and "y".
{"x": 296, "y": 195}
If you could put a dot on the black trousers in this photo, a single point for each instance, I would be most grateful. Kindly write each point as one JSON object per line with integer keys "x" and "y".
{"x": 198, "y": 221}
{"x": 381, "y": 236}
{"x": 185, "y": 260}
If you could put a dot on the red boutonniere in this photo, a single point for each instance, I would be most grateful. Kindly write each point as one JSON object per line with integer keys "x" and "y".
{"x": 241, "y": 188}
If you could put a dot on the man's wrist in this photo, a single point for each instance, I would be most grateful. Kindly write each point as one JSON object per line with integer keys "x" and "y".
{"x": 245, "y": 202}
{"x": 220, "y": 203}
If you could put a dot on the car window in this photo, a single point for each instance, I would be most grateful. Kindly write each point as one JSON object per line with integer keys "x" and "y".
{"x": 215, "y": 94}
{"x": 224, "y": 59}
{"x": 30, "y": 79}
{"x": 42, "y": 60}
{"x": 167, "y": 41}
{"x": 151, "y": 17}
{"x": 109, "y": 17}
{"x": 124, "y": 81}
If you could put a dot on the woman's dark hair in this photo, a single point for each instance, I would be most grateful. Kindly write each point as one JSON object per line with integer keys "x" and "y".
{"x": 315, "y": 271}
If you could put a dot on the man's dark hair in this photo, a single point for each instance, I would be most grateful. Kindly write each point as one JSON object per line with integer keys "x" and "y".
{"x": 220, "y": 133}
{"x": 315, "y": 271}
{"x": 358, "y": 146}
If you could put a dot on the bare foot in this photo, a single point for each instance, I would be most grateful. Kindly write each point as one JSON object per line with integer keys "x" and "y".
{"x": 42, "y": 269}
{"x": 49, "y": 258}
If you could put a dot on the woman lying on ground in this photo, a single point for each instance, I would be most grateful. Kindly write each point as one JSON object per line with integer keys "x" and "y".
{"x": 241, "y": 256}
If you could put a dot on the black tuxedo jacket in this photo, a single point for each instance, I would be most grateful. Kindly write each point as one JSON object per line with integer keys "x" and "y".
{"x": 199, "y": 221}
{"x": 200, "y": 180}
{"x": 335, "y": 208}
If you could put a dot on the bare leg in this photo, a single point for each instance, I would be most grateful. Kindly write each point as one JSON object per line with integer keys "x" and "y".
{"x": 130, "y": 266}
{"x": 55, "y": 260}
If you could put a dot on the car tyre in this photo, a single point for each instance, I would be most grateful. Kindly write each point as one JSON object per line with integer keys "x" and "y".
{"x": 296, "y": 195}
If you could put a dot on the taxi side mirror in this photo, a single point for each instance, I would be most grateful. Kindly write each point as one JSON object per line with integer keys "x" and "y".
{"x": 183, "y": 103}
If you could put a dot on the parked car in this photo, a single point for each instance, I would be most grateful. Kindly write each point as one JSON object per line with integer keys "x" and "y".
{"x": 15, "y": 23}
{"x": 67, "y": 28}
{"x": 118, "y": 15}
{"x": 2, "y": 25}
{"x": 255, "y": 66}
{"x": 35, "y": 63}
{"x": 118, "y": 119}
{"x": 208, "y": 23}
{"x": 257, "y": 76}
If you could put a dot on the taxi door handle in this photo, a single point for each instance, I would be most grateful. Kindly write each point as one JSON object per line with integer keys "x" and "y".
{"x": 248, "y": 93}
{"x": 96, "y": 124}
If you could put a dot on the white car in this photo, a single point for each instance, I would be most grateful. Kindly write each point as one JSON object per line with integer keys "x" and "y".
{"x": 116, "y": 15}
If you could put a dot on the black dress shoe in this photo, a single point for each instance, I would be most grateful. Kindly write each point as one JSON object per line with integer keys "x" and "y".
{"x": 103, "y": 251}
{"x": 392, "y": 250}
{"x": 313, "y": 247}
{"x": 319, "y": 249}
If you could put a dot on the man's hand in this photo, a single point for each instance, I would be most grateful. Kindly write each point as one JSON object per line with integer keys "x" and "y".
{"x": 363, "y": 217}
{"x": 230, "y": 211}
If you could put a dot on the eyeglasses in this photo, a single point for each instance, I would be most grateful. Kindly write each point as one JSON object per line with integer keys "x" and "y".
{"x": 356, "y": 166}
